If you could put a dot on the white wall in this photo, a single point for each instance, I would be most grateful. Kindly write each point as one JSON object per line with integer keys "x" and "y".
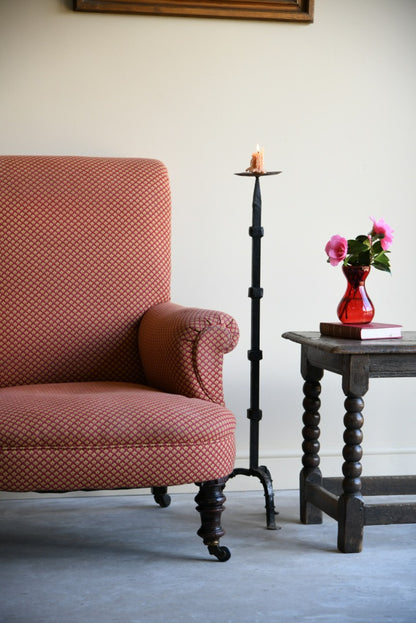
{"x": 334, "y": 105}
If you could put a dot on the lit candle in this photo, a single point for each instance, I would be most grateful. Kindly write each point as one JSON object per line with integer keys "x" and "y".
{"x": 257, "y": 161}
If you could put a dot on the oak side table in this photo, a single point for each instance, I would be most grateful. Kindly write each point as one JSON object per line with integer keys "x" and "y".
{"x": 343, "y": 499}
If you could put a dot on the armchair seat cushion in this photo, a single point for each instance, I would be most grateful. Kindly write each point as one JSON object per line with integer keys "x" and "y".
{"x": 106, "y": 435}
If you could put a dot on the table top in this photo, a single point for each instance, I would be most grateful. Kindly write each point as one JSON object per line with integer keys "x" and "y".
{"x": 342, "y": 346}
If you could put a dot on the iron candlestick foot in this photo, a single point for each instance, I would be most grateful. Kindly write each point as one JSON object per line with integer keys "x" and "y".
{"x": 262, "y": 473}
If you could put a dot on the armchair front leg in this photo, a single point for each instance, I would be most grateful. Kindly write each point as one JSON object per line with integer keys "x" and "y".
{"x": 210, "y": 500}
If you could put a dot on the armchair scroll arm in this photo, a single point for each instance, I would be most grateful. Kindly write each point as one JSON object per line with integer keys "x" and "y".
{"x": 182, "y": 349}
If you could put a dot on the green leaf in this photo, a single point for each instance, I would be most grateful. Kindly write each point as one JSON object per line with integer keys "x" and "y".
{"x": 357, "y": 246}
{"x": 364, "y": 258}
{"x": 363, "y": 239}
{"x": 382, "y": 267}
{"x": 382, "y": 259}
{"x": 382, "y": 263}
{"x": 377, "y": 248}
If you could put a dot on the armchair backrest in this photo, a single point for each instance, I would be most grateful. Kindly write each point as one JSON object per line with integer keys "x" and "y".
{"x": 85, "y": 251}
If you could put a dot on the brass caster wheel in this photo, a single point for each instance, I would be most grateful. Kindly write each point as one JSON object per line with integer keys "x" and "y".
{"x": 222, "y": 553}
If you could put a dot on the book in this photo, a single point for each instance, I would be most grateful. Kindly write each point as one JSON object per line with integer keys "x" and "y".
{"x": 370, "y": 331}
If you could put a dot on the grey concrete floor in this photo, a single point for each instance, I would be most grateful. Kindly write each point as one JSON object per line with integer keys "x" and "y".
{"x": 122, "y": 559}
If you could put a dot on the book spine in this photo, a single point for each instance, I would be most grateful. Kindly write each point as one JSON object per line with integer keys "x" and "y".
{"x": 340, "y": 331}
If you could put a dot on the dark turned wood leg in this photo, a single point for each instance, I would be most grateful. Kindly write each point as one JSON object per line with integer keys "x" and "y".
{"x": 210, "y": 500}
{"x": 350, "y": 503}
{"x": 310, "y": 514}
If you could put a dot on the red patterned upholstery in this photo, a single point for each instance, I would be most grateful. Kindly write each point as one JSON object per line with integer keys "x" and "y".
{"x": 109, "y": 435}
{"x": 182, "y": 349}
{"x": 87, "y": 401}
{"x": 86, "y": 251}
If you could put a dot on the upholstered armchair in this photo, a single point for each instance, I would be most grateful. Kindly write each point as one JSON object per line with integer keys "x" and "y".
{"x": 104, "y": 382}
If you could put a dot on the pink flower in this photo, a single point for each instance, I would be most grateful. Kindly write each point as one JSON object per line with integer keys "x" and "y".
{"x": 381, "y": 228}
{"x": 336, "y": 249}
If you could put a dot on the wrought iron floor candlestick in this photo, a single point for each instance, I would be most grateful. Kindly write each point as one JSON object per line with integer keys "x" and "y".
{"x": 255, "y": 355}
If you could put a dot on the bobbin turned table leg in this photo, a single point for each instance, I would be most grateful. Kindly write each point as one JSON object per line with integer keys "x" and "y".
{"x": 350, "y": 503}
{"x": 310, "y": 514}
{"x": 355, "y": 381}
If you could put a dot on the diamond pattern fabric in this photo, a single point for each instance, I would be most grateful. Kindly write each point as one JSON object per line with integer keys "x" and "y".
{"x": 182, "y": 349}
{"x": 109, "y": 435}
{"x": 85, "y": 250}
{"x": 85, "y": 262}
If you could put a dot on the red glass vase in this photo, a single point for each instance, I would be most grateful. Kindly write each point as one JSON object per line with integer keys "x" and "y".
{"x": 355, "y": 306}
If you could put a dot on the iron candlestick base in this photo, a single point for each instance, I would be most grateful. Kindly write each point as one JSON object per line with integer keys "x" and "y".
{"x": 255, "y": 355}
